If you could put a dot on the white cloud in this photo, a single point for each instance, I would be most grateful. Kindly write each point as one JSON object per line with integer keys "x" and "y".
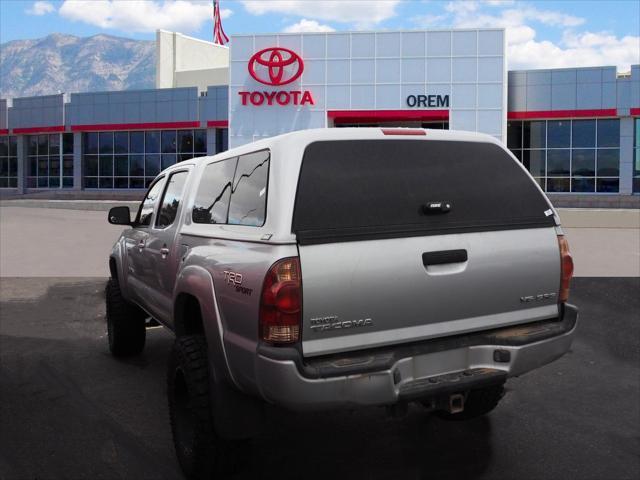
{"x": 40, "y": 8}
{"x": 305, "y": 25}
{"x": 429, "y": 20}
{"x": 142, "y": 15}
{"x": 574, "y": 49}
{"x": 362, "y": 13}
{"x": 499, "y": 3}
{"x": 585, "y": 49}
{"x": 462, "y": 8}
{"x": 549, "y": 17}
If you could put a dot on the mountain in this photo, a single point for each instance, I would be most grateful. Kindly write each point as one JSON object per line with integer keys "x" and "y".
{"x": 66, "y": 63}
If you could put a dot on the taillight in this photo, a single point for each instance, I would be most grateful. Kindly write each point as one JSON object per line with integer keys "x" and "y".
{"x": 566, "y": 268}
{"x": 281, "y": 303}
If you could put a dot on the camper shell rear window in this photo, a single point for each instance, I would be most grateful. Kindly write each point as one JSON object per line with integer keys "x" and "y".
{"x": 369, "y": 189}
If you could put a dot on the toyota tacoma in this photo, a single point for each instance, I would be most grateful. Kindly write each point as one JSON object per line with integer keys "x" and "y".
{"x": 340, "y": 268}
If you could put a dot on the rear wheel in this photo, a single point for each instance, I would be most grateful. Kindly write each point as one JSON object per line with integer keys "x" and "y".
{"x": 202, "y": 454}
{"x": 125, "y": 323}
{"x": 478, "y": 402}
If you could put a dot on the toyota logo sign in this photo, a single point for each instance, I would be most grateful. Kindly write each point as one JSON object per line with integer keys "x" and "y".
{"x": 276, "y": 60}
{"x": 276, "y": 66}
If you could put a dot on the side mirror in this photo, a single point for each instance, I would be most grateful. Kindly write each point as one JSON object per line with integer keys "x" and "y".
{"x": 120, "y": 216}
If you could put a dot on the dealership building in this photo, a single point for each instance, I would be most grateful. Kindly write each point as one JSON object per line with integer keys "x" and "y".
{"x": 577, "y": 130}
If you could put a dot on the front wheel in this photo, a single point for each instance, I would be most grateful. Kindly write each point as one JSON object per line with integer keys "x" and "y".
{"x": 125, "y": 323}
{"x": 478, "y": 402}
{"x": 202, "y": 454}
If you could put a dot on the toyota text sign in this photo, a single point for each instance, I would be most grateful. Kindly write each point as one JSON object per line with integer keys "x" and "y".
{"x": 276, "y": 66}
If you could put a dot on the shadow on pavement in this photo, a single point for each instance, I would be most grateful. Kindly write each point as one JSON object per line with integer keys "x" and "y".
{"x": 70, "y": 410}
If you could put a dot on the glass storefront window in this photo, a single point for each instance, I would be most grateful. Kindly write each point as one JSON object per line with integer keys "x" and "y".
{"x": 558, "y": 185}
{"x": 583, "y": 185}
{"x": 558, "y": 162}
{"x": 133, "y": 159}
{"x": 169, "y": 141}
{"x": 136, "y": 142}
{"x": 514, "y": 135}
{"x": 571, "y": 155}
{"x": 583, "y": 133}
{"x": 121, "y": 142}
{"x": 559, "y": 134}
{"x": 106, "y": 143}
{"x": 222, "y": 140}
{"x": 50, "y": 160}
{"x": 608, "y": 133}
{"x": 8, "y": 162}
{"x": 534, "y": 134}
{"x": 535, "y": 161}
{"x": 152, "y": 142}
{"x": 185, "y": 141}
{"x": 584, "y": 162}
{"x": 608, "y": 162}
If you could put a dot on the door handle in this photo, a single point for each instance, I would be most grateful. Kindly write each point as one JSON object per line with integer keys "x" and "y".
{"x": 444, "y": 256}
{"x": 164, "y": 251}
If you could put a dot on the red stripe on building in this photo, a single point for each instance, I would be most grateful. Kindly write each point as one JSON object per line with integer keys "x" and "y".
{"x": 56, "y": 129}
{"x": 134, "y": 126}
{"x": 4, "y": 131}
{"x": 218, "y": 123}
{"x": 542, "y": 114}
{"x": 351, "y": 116}
{"x": 635, "y": 112}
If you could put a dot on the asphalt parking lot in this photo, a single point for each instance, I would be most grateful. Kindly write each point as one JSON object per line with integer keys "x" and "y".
{"x": 68, "y": 410}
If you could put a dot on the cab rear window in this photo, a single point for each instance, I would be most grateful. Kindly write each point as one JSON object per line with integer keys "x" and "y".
{"x": 366, "y": 189}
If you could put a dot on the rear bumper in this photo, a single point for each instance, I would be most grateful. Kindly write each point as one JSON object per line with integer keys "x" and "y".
{"x": 419, "y": 371}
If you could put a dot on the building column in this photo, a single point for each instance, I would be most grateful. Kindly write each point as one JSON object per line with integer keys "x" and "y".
{"x": 77, "y": 161}
{"x": 626, "y": 155}
{"x": 211, "y": 141}
{"x": 23, "y": 163}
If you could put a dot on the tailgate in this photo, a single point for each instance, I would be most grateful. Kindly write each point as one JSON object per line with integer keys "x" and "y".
{"x": 382, "y": 264}
{"x": 379, "y": 292}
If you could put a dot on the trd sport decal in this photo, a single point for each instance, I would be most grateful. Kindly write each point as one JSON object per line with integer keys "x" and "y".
{"x": 235, "y": 279}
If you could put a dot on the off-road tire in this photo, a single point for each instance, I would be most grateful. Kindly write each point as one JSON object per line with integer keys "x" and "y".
{"x": 125, "y": 323}
{"x": 202, "y": 454}
{"x": 478, "y": 402}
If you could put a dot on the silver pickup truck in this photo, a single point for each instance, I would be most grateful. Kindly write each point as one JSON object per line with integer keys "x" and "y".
{"x": 338, "y": 268}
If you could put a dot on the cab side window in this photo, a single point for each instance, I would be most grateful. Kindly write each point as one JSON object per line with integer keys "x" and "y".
{"x": 212, "y": 199}
{"x": 234, "y": 191}
{"x": 248, "y": 204}
{"x": 148, "y": 204}
{"x": 171, "y": 199}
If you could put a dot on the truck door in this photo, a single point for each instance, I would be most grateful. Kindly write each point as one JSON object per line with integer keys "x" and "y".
{"x": 136, "y": 242}
{"x": 162, "y": 251}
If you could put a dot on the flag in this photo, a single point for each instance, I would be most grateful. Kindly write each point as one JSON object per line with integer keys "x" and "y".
{"x": 219, "y": 36}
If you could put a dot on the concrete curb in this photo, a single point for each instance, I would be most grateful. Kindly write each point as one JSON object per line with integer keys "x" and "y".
{"x": 93, "y": 205}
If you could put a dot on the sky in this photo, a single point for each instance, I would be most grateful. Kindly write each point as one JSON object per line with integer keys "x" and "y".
{"x": 540, "y": 34}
